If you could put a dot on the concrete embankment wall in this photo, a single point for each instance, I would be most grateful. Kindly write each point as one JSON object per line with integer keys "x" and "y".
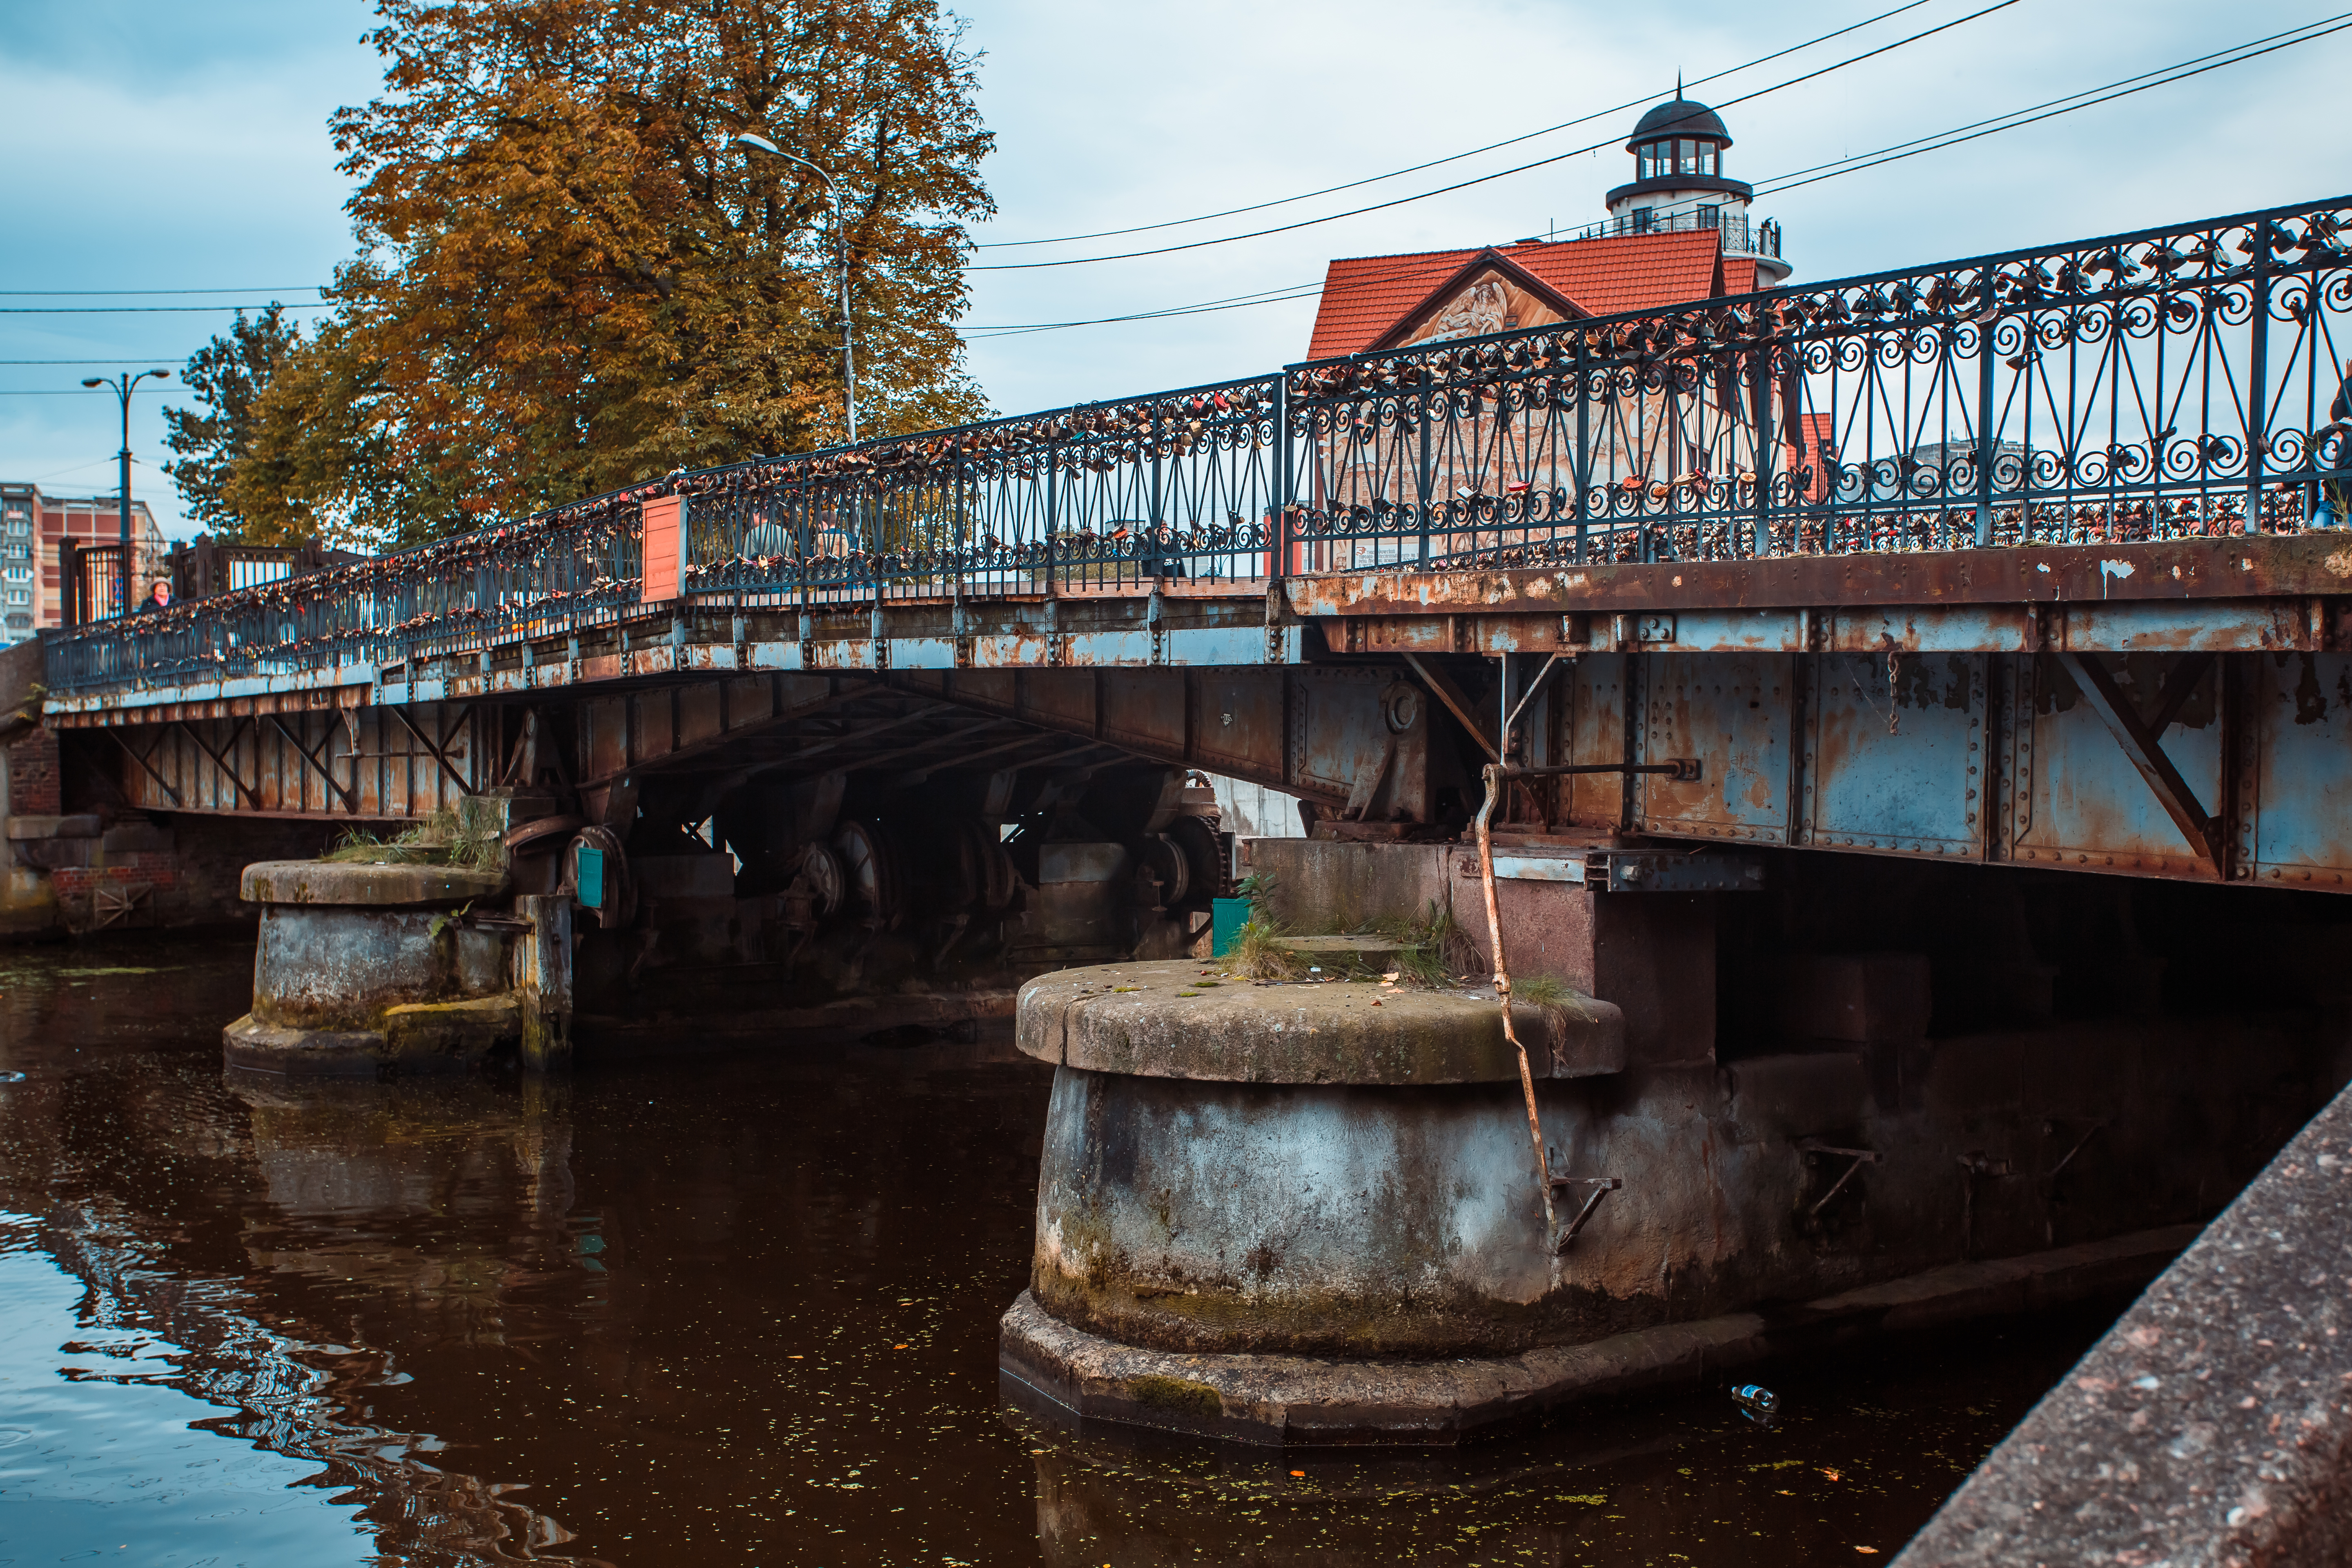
{"x": 2213, "y": 1424}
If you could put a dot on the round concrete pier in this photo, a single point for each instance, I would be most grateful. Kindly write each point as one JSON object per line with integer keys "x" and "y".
{"x": 364, "y": 969}
{"x": 1321, "y": 1168}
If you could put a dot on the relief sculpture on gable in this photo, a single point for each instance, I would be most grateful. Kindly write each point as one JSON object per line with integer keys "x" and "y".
{"x": 1488, "y": 303}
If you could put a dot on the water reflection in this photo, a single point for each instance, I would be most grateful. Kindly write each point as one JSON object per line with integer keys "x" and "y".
{"x": 1875, "y": 1440}
{"x": 735, "y": 1312}
{"x": 164, "y": 1205}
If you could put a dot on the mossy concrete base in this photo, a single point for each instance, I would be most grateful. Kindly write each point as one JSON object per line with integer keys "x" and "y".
{"x": 414, "y": 1037}
{"x": 364, "y": 969}
{"x": 364, "y": 882}
{"x": 1309, "y": 1401}
{"x": 258, "y": 1046}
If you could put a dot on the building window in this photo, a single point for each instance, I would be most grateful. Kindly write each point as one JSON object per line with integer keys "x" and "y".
{"x": 1645, "y": 219}
{"x": 1710, "y": 218}
{"x": 20, "y": 595}
{"x": 1654, "y": 160}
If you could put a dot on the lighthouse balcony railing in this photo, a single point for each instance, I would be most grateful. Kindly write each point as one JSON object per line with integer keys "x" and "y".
{"x": 1740, "y": 237}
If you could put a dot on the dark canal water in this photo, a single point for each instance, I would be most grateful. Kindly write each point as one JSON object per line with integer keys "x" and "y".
{"x": 724, "y": 1312}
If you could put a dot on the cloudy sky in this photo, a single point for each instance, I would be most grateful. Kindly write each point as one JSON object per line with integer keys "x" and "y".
{"x": 152, "y": 145}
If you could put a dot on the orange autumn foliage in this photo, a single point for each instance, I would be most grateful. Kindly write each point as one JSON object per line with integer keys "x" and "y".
{"x": 569, "y": 281}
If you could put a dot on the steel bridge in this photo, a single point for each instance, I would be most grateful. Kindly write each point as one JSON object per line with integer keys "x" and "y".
{"x": 2032, "y": 557}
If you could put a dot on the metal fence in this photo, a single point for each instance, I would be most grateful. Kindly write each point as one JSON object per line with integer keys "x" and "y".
{"x": 2166, "y": 383}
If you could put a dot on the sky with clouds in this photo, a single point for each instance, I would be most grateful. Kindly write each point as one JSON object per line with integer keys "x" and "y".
{"x": 154, "y": 146}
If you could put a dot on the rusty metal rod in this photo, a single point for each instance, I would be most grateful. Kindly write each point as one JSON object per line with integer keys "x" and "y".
{"x": 1839, "y": 1185}
{"x": 1676, "y": 768}
{"x": 1602, "y": 1187}
{"x": 1511, "y": 720}
{"x": 1495, "y": 773}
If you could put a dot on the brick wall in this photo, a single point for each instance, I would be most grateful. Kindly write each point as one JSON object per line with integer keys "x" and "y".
{"x": 33, "y": 776}
{"x": 160, "y": 871}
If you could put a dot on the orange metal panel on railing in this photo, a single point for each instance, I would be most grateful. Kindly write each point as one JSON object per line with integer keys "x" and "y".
{"x": 665, "y": 547}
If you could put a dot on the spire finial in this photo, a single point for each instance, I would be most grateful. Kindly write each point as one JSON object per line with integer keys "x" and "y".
{"x": 1678, "y": 86}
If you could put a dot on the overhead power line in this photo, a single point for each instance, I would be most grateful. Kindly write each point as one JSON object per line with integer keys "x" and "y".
{"x": 1482, "y": 179}
{"x": 1430, "y": 272}
{"x": 2039, "y": 113}
{"x": 149, "y": 359}
{"x": 2012, "y": 119}
{"x": 151, "y": 309}
{"x": 118, "y": 293}
{"x": 2089, "y": 97}
{"x": 1453, "y": 157}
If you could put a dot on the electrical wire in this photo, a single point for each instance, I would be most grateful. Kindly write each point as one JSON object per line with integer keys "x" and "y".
{"x": 2090, "y": 98}
{"x": 151, "y": 309}
{"x": 116, "y": 293}
{"x": 2045, "y": 111}
{"x": 1453, "y": 157}
{"x": 1483, "y": 179}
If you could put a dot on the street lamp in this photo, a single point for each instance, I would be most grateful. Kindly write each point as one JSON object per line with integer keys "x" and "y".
{"x": 841, "y": 254}
{"x": 122, "y": 386}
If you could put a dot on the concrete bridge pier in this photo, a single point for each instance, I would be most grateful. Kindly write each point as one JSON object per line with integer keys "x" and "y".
{"x": 393, "y": 960}
{"x": 1306, "y": 1212}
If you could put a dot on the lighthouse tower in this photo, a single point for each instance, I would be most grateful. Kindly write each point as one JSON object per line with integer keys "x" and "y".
{"x": 1678, "y": 183}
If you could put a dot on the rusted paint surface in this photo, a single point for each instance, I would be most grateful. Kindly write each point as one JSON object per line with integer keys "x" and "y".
{"x": 1927, "y": 628}
{"x": 2225, "y": 627}
{"x": 1894, "y": 758}
{"x": 1713, "y": 631}
{"x": 2294, "y": 789}
{"x": 2317, "y": 564}
{"x": 1589, "y": 713}
{"x": 2079, "y": 803}
{"x": 1734, "y": 713}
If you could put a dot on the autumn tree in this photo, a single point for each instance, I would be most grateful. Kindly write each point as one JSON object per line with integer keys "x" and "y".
{"x": 569, "y": 280}
{"x": 228, "y": 376}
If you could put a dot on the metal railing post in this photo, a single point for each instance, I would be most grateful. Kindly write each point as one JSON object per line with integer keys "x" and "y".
{"x": 1421, "y": 467}
{"x": 1285, "y": 493}
{"x": 1580, "y": 469}
{"x": 1759, "y": 396}
{"x": 1156, "y": 434}
{"x": 1053, "y": 468}
{"x": 2258, "y": 379}
{"x": 1986, "y": 446}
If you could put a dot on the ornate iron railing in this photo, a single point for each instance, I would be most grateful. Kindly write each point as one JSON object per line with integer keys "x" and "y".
{"x": 2169, "y": 381}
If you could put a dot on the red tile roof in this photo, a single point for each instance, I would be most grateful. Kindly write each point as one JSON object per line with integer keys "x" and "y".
{"x": 1365, "y": 296}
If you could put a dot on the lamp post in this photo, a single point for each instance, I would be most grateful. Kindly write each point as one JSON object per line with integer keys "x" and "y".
{"x": 841, "y": 256}
{"x": 123, "y": 386}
